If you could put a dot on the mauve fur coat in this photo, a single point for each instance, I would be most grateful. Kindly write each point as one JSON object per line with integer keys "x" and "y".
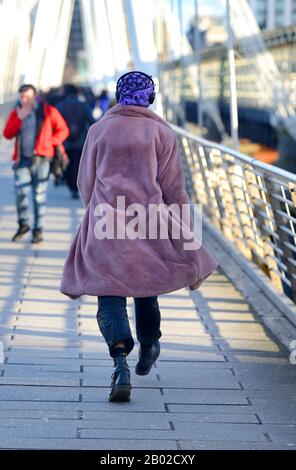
{"x": 131, "y": 152}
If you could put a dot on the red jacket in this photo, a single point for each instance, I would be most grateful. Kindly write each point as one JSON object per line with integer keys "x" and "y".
{"x": 53, "y": 131}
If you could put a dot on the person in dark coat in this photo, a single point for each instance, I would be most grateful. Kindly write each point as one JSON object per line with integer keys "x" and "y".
{"x": 78, "y": 117}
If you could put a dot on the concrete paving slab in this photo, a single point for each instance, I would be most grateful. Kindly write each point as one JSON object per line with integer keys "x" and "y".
{"x": 222, "y": 380}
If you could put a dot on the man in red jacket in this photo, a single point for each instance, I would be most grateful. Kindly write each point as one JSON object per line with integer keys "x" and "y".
{"x": 37, "y": 128}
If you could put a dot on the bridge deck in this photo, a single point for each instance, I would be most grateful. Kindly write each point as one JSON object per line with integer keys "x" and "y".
{"x": 222, "y": 381}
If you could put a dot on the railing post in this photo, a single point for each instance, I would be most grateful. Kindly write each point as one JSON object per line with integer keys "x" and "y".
{"x": 262, "y": 246}
{"x": 284, "y": 241}
{"x": 186, "y": 159}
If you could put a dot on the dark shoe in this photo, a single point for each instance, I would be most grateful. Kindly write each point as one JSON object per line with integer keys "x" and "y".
{"x": 121, "y": 386}
{"x": 23, "y": 228}
{"x": 75, "y": 195}
{"x": 37, "y": 235}
{"x": 57, "y": 181}
{"x": 147, "y": 357}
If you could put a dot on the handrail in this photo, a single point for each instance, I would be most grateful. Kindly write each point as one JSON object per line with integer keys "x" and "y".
{"x": 278, "y": 172}
{"x": 251, "y": 202}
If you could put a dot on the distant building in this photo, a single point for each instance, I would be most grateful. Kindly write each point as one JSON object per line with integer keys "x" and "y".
{"x": 211, "y": 29}
{"x": 272, "y": 14}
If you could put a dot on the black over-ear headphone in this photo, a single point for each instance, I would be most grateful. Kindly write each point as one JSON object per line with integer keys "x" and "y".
{"x": 151, "y": 97}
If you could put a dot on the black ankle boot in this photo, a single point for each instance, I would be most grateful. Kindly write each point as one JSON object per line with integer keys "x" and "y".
{"x": 37, "y": 236}
{"x": 23, "y": 228}
{"x": 121, "y": 386}
{"x": 147, "y": 357}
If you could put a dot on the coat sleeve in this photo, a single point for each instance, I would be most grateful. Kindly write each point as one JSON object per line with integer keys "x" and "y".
{"x": 60, "y": 130}
{"x": 170, "y": 174}
{"x": 12, "y": 126}
{"x": 87, "y": 169}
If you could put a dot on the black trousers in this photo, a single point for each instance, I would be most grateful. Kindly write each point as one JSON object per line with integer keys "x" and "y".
{"x": 71, "y": 171}
{"x": 114, "y": 325}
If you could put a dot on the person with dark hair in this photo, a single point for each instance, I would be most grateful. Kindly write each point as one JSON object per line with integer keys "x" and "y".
{"x": 130, "y": 160}
{"x": 54, "y": 95}
{"x": 78, "y": 117}
{"x": 70, "y": 89}
{"x": 37, "y": 128}
{"x": 25, "y": 87}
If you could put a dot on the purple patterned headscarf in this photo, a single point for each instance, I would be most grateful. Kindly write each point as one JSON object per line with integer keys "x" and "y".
{"x": 134, "y": 89}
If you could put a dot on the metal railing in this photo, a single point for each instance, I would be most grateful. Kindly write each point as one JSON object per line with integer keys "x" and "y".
{"x": 252, "y": 203}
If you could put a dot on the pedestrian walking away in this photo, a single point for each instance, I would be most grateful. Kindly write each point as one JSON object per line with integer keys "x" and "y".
{"x": 37, "y": 128}
{"x": 78, "y": 117}
{"x": 131, "y": 156}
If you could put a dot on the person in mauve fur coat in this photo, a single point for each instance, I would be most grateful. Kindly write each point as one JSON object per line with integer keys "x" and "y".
{"x": 130, "y": 158}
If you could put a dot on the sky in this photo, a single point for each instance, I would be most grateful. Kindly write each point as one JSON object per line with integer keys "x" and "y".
{"x": 206, "y": 7}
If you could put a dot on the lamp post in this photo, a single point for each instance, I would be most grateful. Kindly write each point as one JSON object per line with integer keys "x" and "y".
{"x": 198, "y": 65}
{"x": 232, "y": 82}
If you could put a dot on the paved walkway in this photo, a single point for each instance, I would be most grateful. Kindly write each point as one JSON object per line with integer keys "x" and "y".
{"x": 222, "y": 381}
